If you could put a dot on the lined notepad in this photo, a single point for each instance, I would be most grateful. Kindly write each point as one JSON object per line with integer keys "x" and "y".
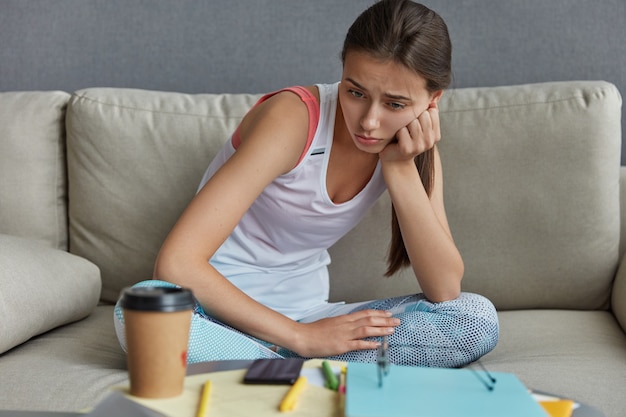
{"x": 435, "y": 392}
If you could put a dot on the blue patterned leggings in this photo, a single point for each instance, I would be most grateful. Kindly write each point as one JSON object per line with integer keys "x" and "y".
{"x": 448, "y": 334}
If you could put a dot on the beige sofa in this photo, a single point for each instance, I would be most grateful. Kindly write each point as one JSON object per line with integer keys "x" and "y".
{"x": 90, "y": 184}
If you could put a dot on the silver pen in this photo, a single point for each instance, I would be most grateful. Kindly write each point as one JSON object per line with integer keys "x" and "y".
{"x": 383, "y": 361}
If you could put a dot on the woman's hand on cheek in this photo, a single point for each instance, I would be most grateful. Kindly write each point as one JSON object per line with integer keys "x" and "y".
{"x": 417, "y": 137}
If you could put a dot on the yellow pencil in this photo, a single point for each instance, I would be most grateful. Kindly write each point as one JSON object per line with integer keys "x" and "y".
{"x": 203, "y": 407}
{"x": 289, "y": 402}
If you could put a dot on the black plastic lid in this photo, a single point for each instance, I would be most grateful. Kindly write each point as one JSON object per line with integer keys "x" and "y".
{"x": 166, "y": 299}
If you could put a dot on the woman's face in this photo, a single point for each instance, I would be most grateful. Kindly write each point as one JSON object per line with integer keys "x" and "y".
{"x": 378, "y": 98}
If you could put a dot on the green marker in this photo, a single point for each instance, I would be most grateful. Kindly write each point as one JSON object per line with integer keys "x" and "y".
{"x": 331, "y": 379}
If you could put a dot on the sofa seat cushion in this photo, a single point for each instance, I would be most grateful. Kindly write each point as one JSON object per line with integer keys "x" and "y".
{"x": 42, "y": 288}
{"x": 577, "y": 354}
{"x": 76, "y": 364}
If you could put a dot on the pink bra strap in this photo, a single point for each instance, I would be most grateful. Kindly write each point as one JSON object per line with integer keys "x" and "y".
{"x": 314, "y": 116}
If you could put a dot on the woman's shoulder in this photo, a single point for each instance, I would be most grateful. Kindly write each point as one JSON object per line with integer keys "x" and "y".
{"x": 283, "y": 106}
{"x": 304, "y": 92}
{"x": 315, "y": 92}
{"x": 279, "y": 122}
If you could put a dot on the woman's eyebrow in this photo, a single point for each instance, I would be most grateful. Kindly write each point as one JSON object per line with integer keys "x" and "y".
{"x": 388, "y": 95}
{"x": 397, "y": 97}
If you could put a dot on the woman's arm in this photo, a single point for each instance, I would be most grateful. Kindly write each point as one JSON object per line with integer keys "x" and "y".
{"x": 273, "y": 136}
{"x": 434, "y": 257}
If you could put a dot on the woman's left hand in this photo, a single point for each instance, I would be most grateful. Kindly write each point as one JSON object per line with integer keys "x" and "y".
{"x": 420, "y": 135}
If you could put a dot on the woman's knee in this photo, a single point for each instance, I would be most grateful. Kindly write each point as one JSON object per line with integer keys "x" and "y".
{"x": 469, "y": 323}
{"x": 481, "y": 320}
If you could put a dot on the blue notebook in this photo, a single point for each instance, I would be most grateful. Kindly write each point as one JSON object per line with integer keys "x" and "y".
{"x": 435, "y": 392}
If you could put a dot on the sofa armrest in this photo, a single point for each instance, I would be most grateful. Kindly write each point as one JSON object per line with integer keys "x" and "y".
{"x": 622, "y": 198}
{"x": 618, "y": 297}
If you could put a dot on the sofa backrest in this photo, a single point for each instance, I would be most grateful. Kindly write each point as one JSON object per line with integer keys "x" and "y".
{"x": 531, "y": 183}
{"x": 135, "y": 159}
{"x": 531, "y": 186}
{"x": 33, "y": 179}
{"x": 534, "y": 192}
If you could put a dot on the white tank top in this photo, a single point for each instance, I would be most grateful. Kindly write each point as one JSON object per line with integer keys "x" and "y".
{"x": 277, "y": 254}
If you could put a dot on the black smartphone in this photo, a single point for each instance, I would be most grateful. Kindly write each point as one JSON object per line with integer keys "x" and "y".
{"x": 273, "y": 371}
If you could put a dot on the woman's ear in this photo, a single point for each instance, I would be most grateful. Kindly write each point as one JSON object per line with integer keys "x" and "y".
{"x": 435, "y": 97}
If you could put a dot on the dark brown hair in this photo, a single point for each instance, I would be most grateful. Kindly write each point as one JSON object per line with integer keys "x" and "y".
{"x": 415, "y": 36}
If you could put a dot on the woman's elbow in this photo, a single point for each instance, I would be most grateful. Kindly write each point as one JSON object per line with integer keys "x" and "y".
{"x": 169, "y": 267}
{"x": 448, "y": 287}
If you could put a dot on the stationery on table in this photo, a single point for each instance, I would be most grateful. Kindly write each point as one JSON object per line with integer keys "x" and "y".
{"x": 329, "y": 376}
{"x": 342, "y": 380}
{"x": 559, "y": 408}
{"x": 289, "y": 402}
{"x": 229, "y": 396}
{"x": 342, "y": 389}
{"x": 405, "y": 391}
{"x": 278, "y": 372}
{"x": 417, "y": 391}
{"x": 382, "y": 360}
{"x": 203, "y": 406}
{"x": 556, "y": 406}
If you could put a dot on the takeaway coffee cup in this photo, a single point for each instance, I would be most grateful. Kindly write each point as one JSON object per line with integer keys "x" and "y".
{"x": 157, "y": 322}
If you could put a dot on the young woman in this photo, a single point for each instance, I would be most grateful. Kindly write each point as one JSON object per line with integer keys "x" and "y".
{"x": 300, "y": 171}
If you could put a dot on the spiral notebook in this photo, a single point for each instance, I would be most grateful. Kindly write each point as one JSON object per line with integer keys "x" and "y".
{"x": 435, "y": 392}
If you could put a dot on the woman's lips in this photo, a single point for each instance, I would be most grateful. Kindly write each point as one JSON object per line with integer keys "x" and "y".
{"x": 365, "y": 140}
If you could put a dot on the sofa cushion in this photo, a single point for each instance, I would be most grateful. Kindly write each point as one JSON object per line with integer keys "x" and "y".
{"x": 135, "y": 160}
{"x": 532, "y": 191}
{"x": 531, "y": 186}
{"x": 71, "y": 368}
{"x": 32, "y": 166}
{"x": 42, "y": 288}
{"x": 577, "y": 354}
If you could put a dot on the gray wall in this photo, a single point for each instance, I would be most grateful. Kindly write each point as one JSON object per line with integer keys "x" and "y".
{"x": 261, "y": 45}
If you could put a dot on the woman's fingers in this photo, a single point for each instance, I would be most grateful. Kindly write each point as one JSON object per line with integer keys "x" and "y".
{"x": 372, "y": 323}
{"x": 421, "y": 134}
{"x": 341, "y": 334}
